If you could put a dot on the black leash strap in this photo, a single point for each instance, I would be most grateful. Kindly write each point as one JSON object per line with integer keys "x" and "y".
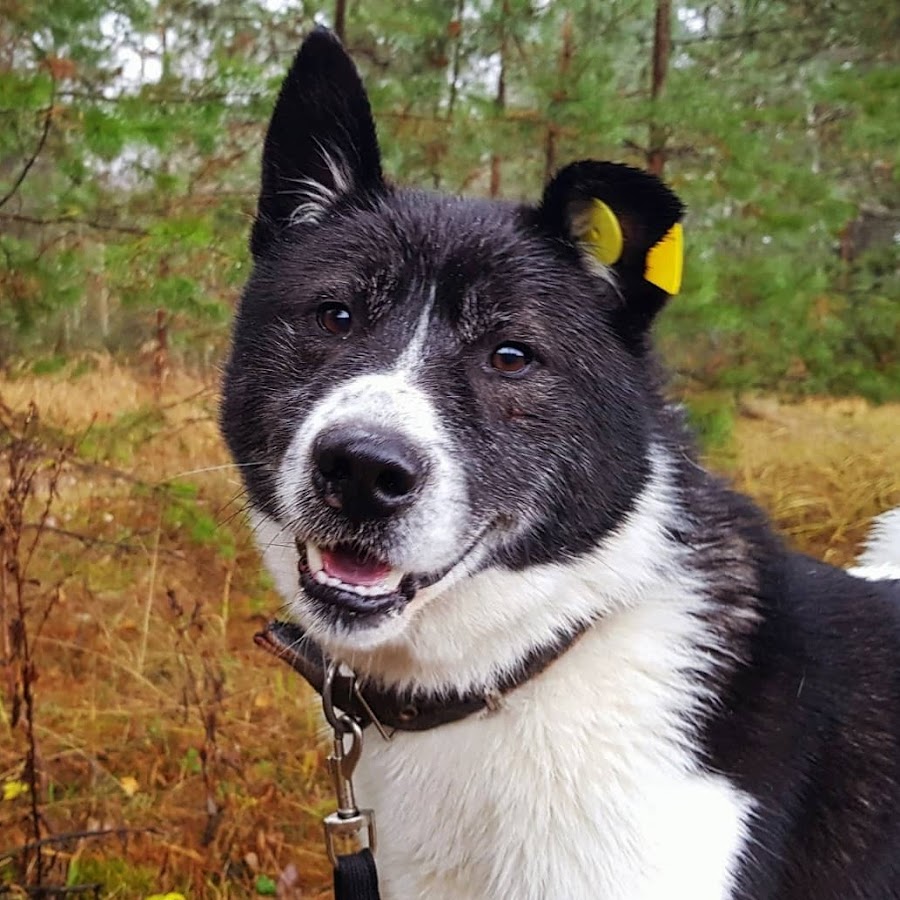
{"x": 355, "y": 877}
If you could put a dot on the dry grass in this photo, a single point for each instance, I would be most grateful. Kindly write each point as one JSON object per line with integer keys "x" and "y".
{"x": 822, "y": 468}
{"x": 154, "y": 709}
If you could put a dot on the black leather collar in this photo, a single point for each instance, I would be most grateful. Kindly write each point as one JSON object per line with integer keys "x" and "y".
{"x": 401, "y": 710}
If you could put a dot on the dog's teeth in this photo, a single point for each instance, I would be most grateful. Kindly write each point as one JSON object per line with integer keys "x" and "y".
{"x": 324, "y": 578}
{"x": 391, "y": 582}
{"x": 314, "y": 558}
{"x": 387, "y": 585}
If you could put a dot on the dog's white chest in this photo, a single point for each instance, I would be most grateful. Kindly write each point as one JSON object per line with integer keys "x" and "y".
{"x": 580, "y": 789}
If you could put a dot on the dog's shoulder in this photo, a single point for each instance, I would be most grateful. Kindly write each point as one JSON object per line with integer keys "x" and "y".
{"x": 810, "y": 727}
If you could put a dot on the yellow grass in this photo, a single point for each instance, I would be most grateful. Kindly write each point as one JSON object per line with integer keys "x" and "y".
{"x": 154, "y": 708}
{"x": 821, "y": 467}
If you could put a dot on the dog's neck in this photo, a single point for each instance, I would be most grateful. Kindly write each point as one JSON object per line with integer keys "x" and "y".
{"x": 474, "y": 634}
{"x": 388, "y": 709}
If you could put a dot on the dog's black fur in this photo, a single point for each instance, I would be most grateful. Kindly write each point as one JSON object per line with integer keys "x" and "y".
{"x": 810, "y": 727}
{"x": 807, "y": 716}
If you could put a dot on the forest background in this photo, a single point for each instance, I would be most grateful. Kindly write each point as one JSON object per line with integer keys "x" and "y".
{"x": 130, "y": 137}
{"x": 145, "y": 747}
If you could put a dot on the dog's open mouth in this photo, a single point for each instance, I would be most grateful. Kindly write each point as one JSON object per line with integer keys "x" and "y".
{"x": 352, "y": 586}
{"x": 353, "y": 571}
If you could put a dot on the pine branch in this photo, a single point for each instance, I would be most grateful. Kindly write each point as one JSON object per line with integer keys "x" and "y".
{"x": 48, "y": 118}
{"x": 749, "y": 33}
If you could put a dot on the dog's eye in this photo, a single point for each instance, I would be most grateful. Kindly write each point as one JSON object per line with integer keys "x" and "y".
{"x": 334, "y": 318}
{"x": 511, "y": 359}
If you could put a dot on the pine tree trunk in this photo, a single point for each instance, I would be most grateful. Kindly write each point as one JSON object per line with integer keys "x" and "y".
{"x": 161, "y": 354}
{"x": 500, "y": 100}
{"x": 553, "y": 129}
{"x": 662, "y": 48}
{"x": 455, "y": 31}
{"x": 340, "y": 20}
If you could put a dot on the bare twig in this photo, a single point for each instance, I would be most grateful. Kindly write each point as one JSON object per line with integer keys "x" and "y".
{"x": 73, "y": 220}
{"x": 121, "y": 546}
{"x": 26, "y": 458}
{"x": 151, "y": 590}
{"x": 48, "y": 118}
{"x": 74, "y": 836}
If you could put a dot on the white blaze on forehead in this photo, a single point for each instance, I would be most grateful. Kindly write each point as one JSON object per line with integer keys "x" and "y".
{"x": 412, "y": 356}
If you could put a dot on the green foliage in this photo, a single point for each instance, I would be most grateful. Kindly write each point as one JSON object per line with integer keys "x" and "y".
{"x": 117, "y": 877}
{"x": 266, "y": 886}
{"x": 711, "y": 416}
{"x": 190, "y": 762}
{"x": 780, "y": 129}
{"x": 186, "y": 513}
{"x": 49, "y": 365}
{"x": 116, "y": 441}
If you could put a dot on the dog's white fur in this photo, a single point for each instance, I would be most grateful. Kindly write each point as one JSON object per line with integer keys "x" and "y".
{"x": 430, "y": 535}
{"x": 586, "y": 782}
{"x": 315, "y": 197}
{"x": 584, "y": 785}
{"x": 881, "y": 556}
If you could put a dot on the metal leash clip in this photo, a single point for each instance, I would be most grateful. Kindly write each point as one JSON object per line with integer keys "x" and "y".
{"x": 348, "y": 821}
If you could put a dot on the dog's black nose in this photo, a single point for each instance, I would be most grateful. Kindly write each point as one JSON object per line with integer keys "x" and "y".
{"x": 367, "y": 474}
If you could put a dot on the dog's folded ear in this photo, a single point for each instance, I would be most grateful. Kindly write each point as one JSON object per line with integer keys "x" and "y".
{"x": 624, "y": 221}
{"x": 321, "y": 146}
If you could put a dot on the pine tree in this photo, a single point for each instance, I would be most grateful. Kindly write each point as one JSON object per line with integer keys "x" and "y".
{"x": 130, "y": 139}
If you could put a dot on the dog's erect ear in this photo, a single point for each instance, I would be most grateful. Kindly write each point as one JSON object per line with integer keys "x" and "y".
{"x": 623, "y": 221}
{"x": 320, "y": 146}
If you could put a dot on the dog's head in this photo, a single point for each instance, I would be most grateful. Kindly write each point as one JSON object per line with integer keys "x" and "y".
{"x": 421, "y": 387}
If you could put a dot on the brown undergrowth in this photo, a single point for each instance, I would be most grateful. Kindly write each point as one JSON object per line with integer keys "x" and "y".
{"x": 170, "y": 754}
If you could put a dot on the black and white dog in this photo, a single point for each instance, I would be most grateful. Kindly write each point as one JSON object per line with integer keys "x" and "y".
{"x": 460, "y": 460}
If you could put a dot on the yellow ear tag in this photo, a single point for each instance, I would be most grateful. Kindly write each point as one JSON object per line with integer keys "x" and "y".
{"x": 665, "y": 261}
{"x": 603, "y": 233}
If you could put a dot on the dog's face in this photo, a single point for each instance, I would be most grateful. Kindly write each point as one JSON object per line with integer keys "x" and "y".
{"x": 424, "y": 387}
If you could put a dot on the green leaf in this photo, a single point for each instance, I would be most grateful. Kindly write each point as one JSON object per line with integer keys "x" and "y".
{"x": 266, "y": 886}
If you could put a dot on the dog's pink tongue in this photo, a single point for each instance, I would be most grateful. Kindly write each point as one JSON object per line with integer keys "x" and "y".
{"x": 353, "y": 568}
